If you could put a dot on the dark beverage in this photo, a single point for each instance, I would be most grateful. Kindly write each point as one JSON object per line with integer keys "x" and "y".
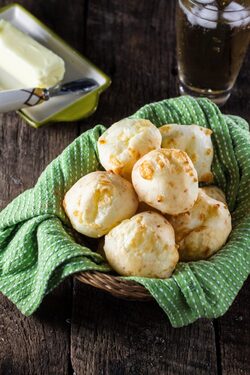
{"x": 212, "y": 40}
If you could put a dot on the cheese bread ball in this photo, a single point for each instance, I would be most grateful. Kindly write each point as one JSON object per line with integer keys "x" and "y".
{"x": 142, "y": 246}
{"x": 203, "y": 230}
{"x": 215, "y": 193}
{"x": 125, "y": 142}
{"x": 166, "y": 180}
{"x": 195, "y": 141}
{"x": 98, "y": 202}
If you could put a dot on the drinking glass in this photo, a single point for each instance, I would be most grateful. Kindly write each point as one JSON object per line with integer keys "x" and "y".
{"x": 212, "y": 40}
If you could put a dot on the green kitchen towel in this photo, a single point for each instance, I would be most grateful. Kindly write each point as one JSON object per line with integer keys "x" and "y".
{"x": 37, "y": 245}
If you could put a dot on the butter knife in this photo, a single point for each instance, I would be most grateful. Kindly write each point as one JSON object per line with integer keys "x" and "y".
{"x": 13, "y": 100}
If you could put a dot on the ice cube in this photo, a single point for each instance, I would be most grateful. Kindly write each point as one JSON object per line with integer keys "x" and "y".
{"x": 205, "y": 2}
{"x": 202, "y": 16}
{"x": 236, "y": 15}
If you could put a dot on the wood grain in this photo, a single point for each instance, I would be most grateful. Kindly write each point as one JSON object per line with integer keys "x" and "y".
{"x": 136, "y": 46}
{"x": 233, "y": 336}
{"x": 115, "y": 337}
{"x": 39, "y": 344}
{"x": 134, "y": 43}
{"x": 233, "y": 329}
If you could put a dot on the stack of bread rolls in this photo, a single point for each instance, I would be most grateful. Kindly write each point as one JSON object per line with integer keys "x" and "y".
{"x": 147, "y": 203}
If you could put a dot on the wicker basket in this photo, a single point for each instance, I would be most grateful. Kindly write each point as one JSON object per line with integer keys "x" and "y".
{"x": 112, "y": 284}
{"x": 115, "y": 285}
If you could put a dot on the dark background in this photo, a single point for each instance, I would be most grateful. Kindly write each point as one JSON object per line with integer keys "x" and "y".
{"x": 80, "y": 330}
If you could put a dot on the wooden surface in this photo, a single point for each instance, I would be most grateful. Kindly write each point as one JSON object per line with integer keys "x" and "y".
{"x": 79, "y": 330}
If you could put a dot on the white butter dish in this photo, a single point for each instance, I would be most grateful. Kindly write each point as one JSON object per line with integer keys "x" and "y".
{"x": 70, "y": 107}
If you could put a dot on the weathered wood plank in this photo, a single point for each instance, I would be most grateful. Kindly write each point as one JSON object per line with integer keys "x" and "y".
{"x": 35, "y": 344}
{"x": 233, "y": 336}
{"x": 110, "y": 336}
{"x": 116, "y": 337}
{"x": 232, "y": 330}
{"x": 134, "y": 43}
{"x": 39, "y": 344}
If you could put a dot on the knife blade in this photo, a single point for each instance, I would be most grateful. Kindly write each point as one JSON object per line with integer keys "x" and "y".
{"x": 13, "y": 100}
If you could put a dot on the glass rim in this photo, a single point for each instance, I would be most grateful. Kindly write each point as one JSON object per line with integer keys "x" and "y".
{"x": 208, "y": 7}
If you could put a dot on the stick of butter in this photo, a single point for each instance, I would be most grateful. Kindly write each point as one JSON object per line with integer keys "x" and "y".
{"x": 25, "y": 61}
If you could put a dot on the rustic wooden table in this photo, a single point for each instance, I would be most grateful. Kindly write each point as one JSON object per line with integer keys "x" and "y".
{"x": 80, "y": 330}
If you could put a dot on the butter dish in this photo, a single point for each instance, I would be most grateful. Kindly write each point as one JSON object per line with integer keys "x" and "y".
{"x": 70, "y": 107}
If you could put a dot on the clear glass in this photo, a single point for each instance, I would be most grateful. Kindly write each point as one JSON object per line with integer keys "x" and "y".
{"x": 212, "y": 40}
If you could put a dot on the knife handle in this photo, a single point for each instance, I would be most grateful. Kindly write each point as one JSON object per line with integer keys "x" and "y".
{"x": 12, "y": 100}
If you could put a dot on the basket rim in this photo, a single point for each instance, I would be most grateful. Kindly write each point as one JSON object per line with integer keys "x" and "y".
{"x": 115, "y": 285}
